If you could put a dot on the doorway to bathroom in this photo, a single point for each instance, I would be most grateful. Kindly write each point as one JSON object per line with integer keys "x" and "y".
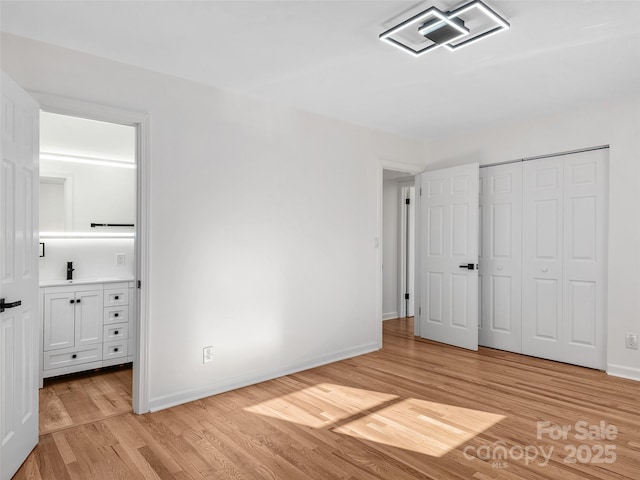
{"x": 88, "y": 268}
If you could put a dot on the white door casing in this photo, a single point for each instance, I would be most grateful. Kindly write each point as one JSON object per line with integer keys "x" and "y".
{"x": 18, "y": 276}
{"x": 407, "y": 262}
{"x": 448, "y": 240}
{"x": 500, "y": 324}
{"x": 564, "y": 258}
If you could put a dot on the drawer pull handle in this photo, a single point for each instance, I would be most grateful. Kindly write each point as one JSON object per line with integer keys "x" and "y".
{"x": 115, "y": 349}
{"x": 116, "y": 297}
{"x": 116, "y": 332}
{"x": 74, "y": 356}
{"x": 116, "y": 314}
{"x": 72, "y": 301}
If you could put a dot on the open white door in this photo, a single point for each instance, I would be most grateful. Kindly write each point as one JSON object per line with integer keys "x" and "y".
{"x": 449, "y": 255}
{"x": 18, "y": 277}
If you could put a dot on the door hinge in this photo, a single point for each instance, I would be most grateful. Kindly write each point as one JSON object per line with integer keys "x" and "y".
{"x": 406, "y": 296}
{"x": 407, "y": 201}
{"x": 419, "y": 311}
{"x": 420, "y": 191}
{"x": 139, "y": 284}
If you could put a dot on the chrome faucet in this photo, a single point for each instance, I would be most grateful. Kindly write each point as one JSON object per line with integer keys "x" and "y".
{"x": 70, "y": 270}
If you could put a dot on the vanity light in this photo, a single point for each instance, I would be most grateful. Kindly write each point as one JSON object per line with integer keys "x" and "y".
{"x": 445, "y": 28}
{"x": 87, "y": 160}
{"x": 63, "y": 235}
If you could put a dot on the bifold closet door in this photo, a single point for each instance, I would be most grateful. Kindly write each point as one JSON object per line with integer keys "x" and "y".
{"x": 564, "y": 234}
{"x": 500, "y": 324}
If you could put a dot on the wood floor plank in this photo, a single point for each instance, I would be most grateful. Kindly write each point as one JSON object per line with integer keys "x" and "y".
{"x": 414, "y": 410}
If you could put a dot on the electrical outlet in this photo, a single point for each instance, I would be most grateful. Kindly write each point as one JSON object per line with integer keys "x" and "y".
{"x": 207, "y": 354}
{"x": 120, "y": 259}
{"x": 631, "y": 341}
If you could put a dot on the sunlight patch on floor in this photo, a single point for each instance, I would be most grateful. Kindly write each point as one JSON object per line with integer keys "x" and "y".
{"x": 421, "y": 426}
{"x": 425, "y": 427}
{"x": 321, "y": 405}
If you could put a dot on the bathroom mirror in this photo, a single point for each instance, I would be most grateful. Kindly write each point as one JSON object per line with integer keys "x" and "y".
{"x": 87, "y": 176}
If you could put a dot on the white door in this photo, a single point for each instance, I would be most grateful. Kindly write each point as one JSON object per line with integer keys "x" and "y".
{"x": 18, "y": 277}
{"x": 501, "y": 257}
{"x": 584, "y": 259}
{"x": 542, "y": 235}
{"x": 449, "y": 255}
{"x": 564, "y": 258}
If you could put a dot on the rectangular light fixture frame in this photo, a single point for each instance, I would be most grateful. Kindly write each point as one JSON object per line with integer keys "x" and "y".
{"x": 431, "y": 12}
{"x": 502, "y": 24}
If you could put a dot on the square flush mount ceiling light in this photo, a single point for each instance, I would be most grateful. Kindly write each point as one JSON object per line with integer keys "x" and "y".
{"x": 440, "y": 28}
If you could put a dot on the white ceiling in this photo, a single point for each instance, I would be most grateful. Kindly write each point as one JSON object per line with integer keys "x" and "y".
{"x": 325, "y": 56}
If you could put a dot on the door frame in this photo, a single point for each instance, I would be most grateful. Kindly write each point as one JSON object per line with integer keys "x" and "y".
{"x": 141, "y": 122}
{"x": 410, "y": 169}
{"x": 403, "y": 261}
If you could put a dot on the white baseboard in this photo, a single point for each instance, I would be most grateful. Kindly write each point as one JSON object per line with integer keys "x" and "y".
{"x": 389, "y": 316}
{"x": 167, "y": 401}
{"x": 623, "y": 372}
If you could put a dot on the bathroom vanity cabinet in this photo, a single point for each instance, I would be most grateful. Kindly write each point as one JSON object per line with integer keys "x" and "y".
{"x": 86, "y": 325}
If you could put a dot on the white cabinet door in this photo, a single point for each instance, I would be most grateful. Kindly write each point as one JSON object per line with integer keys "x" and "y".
{"x": 59, "y": 325}
{"x": 542, "y": 258}
{"x": 585, "y": 230}
{"x": 500, "y": 271}
{"x": 89, "y": 317}
{"x": 449, "y": 243}
{"x": 18, "y": 276}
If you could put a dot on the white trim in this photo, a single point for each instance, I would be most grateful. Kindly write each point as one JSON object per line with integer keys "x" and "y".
{"x": 623, "y": 372}
{"x": 390, "y": 315}
{"x": 140, "y": 120}
{"x": 171, "y": 400}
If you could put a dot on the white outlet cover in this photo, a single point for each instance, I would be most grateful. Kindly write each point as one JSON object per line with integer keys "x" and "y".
{"x": 207, "y": 354}
{"x": 120, "y": 259}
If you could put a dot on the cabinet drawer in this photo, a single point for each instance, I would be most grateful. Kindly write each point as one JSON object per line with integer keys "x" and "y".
{"x": 114, "y": 349}
{"x": 72, "y": 356}
{"x": 116, "y": 331}
{"x": 116, "y": 297}
{"x": 116, "y": 315}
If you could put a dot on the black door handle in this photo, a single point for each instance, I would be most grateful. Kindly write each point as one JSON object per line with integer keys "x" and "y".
{"x": 469, "y": 266}
{"x": 4, "y": 306}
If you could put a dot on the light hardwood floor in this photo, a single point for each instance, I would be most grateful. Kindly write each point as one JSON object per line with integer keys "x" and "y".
{"x": 82, "y": 398}
{"x": 413, "y": 410}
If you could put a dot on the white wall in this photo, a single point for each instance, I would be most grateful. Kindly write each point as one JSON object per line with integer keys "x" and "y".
{"x": 617, "y": 125}
{"x": 91, "y": 257}
{"x": 390, "y": 252}
{"x": 263, "y": 223}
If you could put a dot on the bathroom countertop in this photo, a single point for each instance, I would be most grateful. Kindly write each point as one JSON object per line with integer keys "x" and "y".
{"x": 84, "y": 281}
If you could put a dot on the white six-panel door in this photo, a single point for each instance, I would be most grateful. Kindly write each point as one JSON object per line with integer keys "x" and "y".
{"x": 18, "y": 277}
{"x": 500, "y": 272}
{"x": 449, "y": 240}
{"x": 564, "y": 264}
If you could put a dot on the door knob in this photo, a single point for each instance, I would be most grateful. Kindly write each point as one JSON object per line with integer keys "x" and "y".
{"x": 545, "y": 270}
{"x": 4, "y": 306}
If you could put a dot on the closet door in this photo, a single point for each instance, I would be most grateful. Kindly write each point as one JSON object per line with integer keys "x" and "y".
{"x": 585, "y": 228}
{"x": 564, "y": 258}
{"x": 542, "y": 258}
{"x": 500, "y": 324}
